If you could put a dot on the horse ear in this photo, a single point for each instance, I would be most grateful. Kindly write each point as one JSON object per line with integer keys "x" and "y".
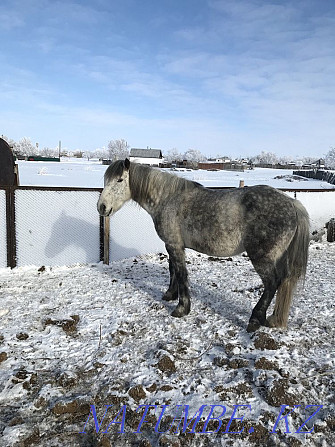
{"x": 127, "y": 164}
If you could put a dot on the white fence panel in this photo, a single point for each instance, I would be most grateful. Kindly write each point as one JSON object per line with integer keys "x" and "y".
{"x": 320, "y": 207}
{"x": 57, "y": 227}
{"x": 132, "y": 232}
{"x": 3, "y": 231}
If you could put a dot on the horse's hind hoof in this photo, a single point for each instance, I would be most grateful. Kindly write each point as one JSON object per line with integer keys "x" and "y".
{"x": 253, "y": 326}
{"x": 272, "y": 321}
{"x": 180, "y": 312}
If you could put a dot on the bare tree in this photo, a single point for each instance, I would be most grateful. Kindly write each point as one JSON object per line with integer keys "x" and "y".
{"x": 118, "y": 149}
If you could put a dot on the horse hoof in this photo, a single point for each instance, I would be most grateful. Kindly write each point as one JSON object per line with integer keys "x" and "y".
{"x": 179, "y": 312}
{"x": 253, "y": 326}
{"x": 169, "y": 297}
{"x": 272, "y": 321}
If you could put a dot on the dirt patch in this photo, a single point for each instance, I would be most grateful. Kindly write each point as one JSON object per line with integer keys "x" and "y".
{"x": 137, "y": 393}
{"x": 240, "y": 391}
{"x": 69, "y": 325}
{"x": 3, "y": 356}
{"x": 264, "y": 341}
{"x": 73, "y": 407}
{"x": 278, "y": 393}
{"x": 166, "y": 365}
{"x": 266, "y": 364}
{"x": 22, "y": 336}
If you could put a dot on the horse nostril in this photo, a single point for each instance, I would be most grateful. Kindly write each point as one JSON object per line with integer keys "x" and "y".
{"x": 102, "y": 209}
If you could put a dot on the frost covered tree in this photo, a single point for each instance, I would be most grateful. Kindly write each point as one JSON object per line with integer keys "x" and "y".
{"x": 26, "y": 147}
{"x": 118, "y": 149}
{"x": 194, "y": 155}
{"x": 285, "y": 160}
{"x": 266, "y": 158}
{"x": 48, "y": 152}
{"x": 330, "y": 158}
{"x": 100, "y": 153}
{"x": 173, "y": 155}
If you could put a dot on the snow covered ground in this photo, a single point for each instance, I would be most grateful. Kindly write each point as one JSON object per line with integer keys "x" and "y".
{"x": 92, "y": 334}
{"x": 89, "y": 174}
{"x": 76, "y": 336}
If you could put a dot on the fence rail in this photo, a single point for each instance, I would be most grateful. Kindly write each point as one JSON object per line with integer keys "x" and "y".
{"x": 326, "y": 176}
{"x": 60, "y": 225}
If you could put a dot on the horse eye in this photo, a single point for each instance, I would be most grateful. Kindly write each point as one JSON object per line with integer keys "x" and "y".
{"x": 120, "y": 180}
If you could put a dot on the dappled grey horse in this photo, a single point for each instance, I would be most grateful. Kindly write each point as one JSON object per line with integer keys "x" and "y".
{"x": 270, "y": 226}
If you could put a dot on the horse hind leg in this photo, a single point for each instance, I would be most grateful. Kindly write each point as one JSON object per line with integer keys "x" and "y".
{"x": 258, "y": 315}
{"x": 271, "y": 279}
{"x": 284, "y": 297}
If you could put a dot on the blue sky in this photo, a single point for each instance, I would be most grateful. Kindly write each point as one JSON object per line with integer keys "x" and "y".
{"x": 228, "y": 77}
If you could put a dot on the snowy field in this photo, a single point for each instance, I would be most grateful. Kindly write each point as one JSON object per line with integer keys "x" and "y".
{"x": 89, "y": 174}
{"x": 76, "y": 336}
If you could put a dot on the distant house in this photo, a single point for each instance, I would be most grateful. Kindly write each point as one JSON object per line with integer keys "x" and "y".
{"x": 149, "y": 157}
{"x": 222, "y": 160}
{"x": 319, "y": 164}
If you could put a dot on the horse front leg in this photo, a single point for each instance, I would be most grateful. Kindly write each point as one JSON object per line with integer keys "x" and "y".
{"x": 172, "y": 292}
{"x": 179, "y": 280}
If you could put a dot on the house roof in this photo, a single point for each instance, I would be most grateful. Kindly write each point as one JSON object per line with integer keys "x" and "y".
{"x": 146, "y": 153}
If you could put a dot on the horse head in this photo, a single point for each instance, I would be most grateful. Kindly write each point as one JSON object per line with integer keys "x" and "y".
{"x": 116, "y": 190}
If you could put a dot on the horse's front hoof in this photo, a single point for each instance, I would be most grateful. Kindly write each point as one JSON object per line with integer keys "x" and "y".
{"x": 168, "y": 296}
{"x": 253, "y": 326}
{"x": 180, "y": 311}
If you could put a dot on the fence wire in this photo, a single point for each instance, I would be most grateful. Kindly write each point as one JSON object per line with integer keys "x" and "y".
{"x": 56, "y": 227}
{"x": 62, "y": 227}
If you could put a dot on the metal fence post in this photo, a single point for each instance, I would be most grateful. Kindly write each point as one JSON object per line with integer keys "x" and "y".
{"x": 106, "y": 239}
{"x": 11, "y": 227}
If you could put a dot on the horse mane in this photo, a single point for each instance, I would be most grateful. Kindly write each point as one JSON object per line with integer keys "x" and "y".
{"x": 145, "y": 181}
{"x": 114, "y": 170}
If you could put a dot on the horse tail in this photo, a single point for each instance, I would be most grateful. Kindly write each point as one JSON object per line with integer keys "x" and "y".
{"x": 293, "y": 264}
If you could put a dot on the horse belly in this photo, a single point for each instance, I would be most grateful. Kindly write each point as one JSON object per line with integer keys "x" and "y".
{"x": 216, "y": 243}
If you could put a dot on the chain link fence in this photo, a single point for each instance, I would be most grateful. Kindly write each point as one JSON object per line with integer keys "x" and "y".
{"x": 61, "y": 226}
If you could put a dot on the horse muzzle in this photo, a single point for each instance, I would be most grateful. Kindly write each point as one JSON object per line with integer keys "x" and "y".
{"x": 103, "y": 211}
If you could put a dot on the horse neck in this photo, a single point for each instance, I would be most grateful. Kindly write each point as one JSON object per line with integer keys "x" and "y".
{"x": 145, "y": 186}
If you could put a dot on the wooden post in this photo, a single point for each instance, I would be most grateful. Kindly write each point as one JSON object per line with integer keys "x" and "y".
{"x": 241, "y": 184}
{"x": 106, "y": 239}
{"x": 16, "y": 173}
{"x": 331, "y": 230}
